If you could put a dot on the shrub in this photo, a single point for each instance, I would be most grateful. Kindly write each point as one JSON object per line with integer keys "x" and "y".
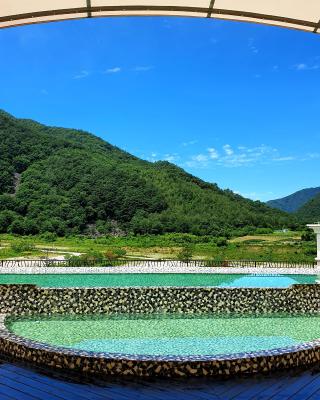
{"x": 92, "y": 258}
{"x": 49, "y": 237}
{"x": 308, "y": 236}
{"x": 185, "y": 254}
{"x": 120, "y": 253}
{"x": 263, "y": 231}
{"x": 222, "y": 242}
{"x": 115, "y": 254}
{"x": 310, "y": 252}
{"x": 21, "y": 247}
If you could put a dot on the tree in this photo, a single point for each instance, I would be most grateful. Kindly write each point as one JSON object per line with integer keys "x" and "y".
{"x": 17, "y": 226}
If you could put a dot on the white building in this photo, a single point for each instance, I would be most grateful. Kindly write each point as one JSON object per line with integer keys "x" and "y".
{"x": 316, "y": 229}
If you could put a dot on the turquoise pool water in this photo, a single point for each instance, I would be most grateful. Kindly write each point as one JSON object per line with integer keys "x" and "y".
{"x": 170, "y": 334}
{"x": 107, "y": 280}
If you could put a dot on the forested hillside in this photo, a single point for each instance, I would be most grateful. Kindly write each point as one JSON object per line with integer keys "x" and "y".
{"x": 310, "y": 212}
{"x": 69, "y": 182}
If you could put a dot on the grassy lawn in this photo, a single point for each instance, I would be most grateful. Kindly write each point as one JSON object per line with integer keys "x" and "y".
{"x": 267, "y": 247}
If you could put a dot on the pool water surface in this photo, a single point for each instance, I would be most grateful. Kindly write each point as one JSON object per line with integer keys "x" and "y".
{"x": 156, "y": 279}
{"x": 169, "y": 334}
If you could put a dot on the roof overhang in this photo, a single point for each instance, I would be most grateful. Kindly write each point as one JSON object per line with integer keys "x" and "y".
{"x": 296, "y": 14}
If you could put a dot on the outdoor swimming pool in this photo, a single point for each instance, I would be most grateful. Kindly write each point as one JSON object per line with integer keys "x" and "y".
{"x": 171, "y": 335}
{"x": 156, "y": 279}
{"x": 161, "y": 331}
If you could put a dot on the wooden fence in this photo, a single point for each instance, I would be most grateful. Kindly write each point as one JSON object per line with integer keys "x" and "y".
{"x": 43, "y": 263}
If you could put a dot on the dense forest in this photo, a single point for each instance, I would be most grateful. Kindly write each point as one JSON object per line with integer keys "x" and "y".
{"x": 310, "y": 212}
{"x": 70, "y": 182}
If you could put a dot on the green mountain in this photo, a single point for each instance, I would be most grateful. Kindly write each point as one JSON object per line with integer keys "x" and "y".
{"x": 68, "y": 181}
{"x": 310, "y": 212}
{"x": 295, "y": 201}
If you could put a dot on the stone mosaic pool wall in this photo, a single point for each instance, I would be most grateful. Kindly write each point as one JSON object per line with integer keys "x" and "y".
{"x": 28, "y": 300}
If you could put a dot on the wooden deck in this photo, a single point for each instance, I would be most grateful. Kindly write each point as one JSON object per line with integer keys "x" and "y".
{"x": 21, "y": 383}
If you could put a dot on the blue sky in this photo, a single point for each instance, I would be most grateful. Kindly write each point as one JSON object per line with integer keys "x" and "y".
{"x": 233, "y": 103}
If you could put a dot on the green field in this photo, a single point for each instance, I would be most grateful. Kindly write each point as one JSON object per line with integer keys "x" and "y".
{"x": 265, "y": 247}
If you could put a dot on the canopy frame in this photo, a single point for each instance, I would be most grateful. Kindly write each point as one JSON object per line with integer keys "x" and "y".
{"x": 89, "y": 10}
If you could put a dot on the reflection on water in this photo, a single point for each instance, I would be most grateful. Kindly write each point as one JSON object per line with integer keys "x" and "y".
{"x": 262, "y": 281}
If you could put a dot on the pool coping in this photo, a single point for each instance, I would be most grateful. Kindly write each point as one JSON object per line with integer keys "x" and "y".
{"x": 105, "y": 364}
{"x": 165, "y": 269}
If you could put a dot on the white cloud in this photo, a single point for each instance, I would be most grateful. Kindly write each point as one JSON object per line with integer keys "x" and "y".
{"x": 143, "y": 68}
{"x": 198, "y": 161}
{"x": 288, "y": 158}
{"x": 200, "y": 158}
{"x": 171, "y": 157}
{"x": 252, "y": 46}
{"x": 306, "y": 67}
{"x": 232, "y": 157}
{"x": 245, "y": 156}
{"x": 313, "y": 155}
{"x": 213, "y": 154}
{"x": 262, "y": 196}
{"x": 153, "y": 157}
{"x": 190, "y": 143}
{"x": 82, "y": 74}
{"x": 214, "y": 40}
{"x": 113, "y": 70}
{"x": 240, "y": 156}
{"x": 228, "y": 149}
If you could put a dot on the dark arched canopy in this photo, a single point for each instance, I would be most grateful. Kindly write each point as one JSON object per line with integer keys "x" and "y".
{"x": 297, "y": 14}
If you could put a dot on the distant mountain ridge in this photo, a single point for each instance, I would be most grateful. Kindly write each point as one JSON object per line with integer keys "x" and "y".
{"x": 68, "y": 181}
{"x": 295, "y": 201}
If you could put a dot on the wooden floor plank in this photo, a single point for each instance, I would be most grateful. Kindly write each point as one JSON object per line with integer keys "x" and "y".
{"x": 311, "y": 387}
{"x": 290, "y": 390}
{"x": 70, "y": 387}
{"x": 218, "y": 387}
{"x": 47, "y": 387}
{"x": 174, "y": 394}
{"x": 12, "y": 390}
{"x": 315, "y": 396}
{"x": 202, "y": 387}
{"x": 247, "y": 385}
{"x": 236, "y": 391}
{"x": 32, "y": 391}
{"x": 4, "y": 394}
{"x": 264, "y": 388}
{"x": 22, "y": 383}
{"x": 264, "y": 392}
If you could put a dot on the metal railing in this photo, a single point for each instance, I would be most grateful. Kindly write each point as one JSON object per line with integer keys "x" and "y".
{"x": 45, "y": 263}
